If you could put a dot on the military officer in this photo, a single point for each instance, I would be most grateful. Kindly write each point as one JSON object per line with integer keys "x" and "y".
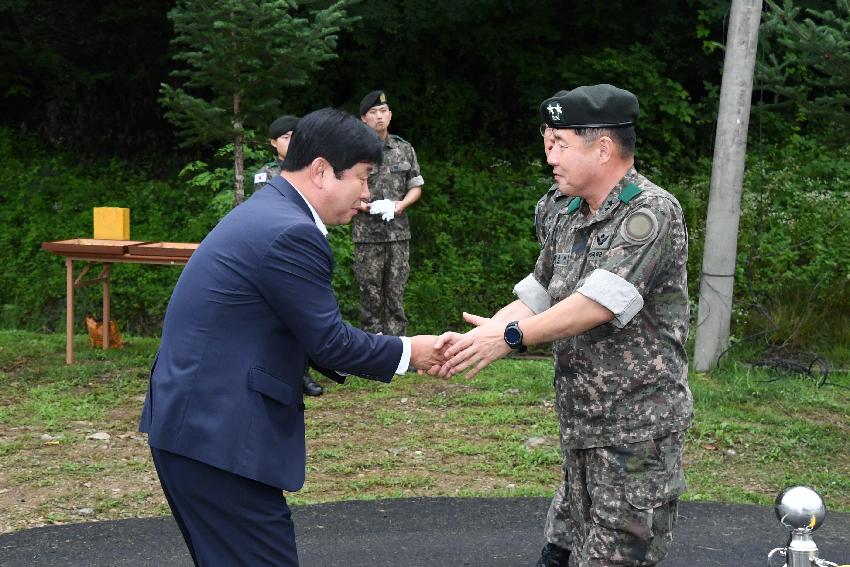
{"x": 610, "y": 288}
{"x": 280, "y": 132}
{"x": 382, "y": 235}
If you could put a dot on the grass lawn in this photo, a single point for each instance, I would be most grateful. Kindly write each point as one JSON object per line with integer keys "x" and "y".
{"x": 69, "y": 449}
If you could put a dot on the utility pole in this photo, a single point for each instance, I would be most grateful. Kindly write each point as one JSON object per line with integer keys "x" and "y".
{"x": 727, "y": 176}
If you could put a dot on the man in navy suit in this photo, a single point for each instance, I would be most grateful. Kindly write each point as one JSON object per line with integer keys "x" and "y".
{"x": 254, "y": 305}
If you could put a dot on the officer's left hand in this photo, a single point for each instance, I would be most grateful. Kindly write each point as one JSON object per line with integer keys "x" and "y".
{"x": 399, "y": 208}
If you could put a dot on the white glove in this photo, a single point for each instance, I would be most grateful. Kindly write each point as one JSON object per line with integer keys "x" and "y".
{"x": 383, "y": 207}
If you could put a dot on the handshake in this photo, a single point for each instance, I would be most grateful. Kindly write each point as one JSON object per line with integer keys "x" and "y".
{"x": 453, "y": 353}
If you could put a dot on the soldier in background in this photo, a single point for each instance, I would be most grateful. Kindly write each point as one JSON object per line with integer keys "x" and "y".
{"x": 556, "y": 529}
{"x": 553, "y": 200}
{"x": 610, "y": 288}
{"x": 382, "y": 233}
{"x": 280, "y": 131}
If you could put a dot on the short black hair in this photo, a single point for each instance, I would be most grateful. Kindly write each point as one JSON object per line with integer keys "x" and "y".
{"x": 625, "y": 137}
{"x": 335, "y": 135}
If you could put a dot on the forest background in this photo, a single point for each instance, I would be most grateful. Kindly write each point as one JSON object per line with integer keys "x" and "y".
{"x": 82, "y": 126}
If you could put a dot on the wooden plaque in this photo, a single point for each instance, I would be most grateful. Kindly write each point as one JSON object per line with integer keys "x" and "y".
{"x": 89, "y": 246}
{"x": 182, "y": 249}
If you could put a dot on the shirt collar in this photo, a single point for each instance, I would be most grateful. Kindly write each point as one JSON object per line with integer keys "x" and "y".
{"x": 319, "y": 224}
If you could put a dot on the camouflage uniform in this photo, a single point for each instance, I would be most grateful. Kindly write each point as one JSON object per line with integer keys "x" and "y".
{"x": 621, "y": 388}
{"x": 544, "y": 212}
{"x": 265, "y": 173}
{"x": 381, "y": 248}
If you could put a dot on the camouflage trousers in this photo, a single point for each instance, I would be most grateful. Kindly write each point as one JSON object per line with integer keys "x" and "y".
{"x": 382, "y": 269}
{"x": 618, "y": 505}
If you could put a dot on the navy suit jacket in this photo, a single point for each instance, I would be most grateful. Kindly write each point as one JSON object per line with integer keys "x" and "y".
{"x": 252, "y": 306}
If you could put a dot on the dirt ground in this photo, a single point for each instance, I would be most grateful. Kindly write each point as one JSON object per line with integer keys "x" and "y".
{"x": 358, "y": 447}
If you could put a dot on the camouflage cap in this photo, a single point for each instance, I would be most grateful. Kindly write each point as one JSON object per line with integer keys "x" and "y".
{"x": 282, "y": 125}
{"x": 594, "y": 106}
{"x": 374, "y": 98}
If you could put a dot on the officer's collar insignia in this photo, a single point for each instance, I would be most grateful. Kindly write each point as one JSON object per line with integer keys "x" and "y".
{"x": 554, "y": 111}
{"x": 630, "y": 192}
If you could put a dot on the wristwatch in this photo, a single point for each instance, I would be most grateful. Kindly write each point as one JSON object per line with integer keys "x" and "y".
{"x": 513, "y": 337}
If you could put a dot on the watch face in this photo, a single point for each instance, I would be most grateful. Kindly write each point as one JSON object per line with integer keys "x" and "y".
{"x": 512, "y": 336}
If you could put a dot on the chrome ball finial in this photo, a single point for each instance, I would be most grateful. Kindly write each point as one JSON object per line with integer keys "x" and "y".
{"x": 800, "y": 508}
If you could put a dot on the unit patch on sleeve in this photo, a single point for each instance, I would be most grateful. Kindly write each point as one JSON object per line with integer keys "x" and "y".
{"x": 639, "y": 227}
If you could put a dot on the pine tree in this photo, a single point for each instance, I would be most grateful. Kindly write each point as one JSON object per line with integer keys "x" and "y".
{"x": 235, "y": 57}
{"x": 807, "y": 65}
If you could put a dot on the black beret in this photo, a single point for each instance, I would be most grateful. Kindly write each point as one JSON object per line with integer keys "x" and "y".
{"x": 374, "y": 98}
{"x": 282, "y": 125}
{"x": 595, "y": 106}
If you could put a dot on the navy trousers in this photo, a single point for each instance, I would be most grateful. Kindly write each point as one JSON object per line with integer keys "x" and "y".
{"x": 226, "y": 519}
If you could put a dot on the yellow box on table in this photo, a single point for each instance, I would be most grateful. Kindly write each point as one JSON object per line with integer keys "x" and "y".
{"x": 111, "y": 223}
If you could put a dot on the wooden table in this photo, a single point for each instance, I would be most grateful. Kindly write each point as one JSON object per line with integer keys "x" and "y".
{"x": 106, "y": 253}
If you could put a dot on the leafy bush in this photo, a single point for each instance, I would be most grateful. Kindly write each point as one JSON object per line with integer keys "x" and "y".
{"x": 793, "y": 271}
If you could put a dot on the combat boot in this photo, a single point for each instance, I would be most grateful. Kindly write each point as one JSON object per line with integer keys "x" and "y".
{"x": 553, "y": 556}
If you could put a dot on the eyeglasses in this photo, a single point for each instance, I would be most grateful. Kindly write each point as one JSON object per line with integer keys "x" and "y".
{"x": 545, "y": 130}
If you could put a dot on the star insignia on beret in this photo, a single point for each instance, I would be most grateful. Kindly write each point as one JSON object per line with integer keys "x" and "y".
{"x": 554, "y": 111}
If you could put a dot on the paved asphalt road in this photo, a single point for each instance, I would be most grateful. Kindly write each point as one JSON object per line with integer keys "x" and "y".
{"x": 414, "y": 532}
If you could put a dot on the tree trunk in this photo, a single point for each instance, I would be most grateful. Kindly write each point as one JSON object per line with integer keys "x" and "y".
{"x": 238, "y": 152}
{"x": 727, "y": 175}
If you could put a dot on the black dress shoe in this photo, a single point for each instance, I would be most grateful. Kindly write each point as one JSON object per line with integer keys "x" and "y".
{"x": 553, "y": 556}
{"x": 311, "y": 388}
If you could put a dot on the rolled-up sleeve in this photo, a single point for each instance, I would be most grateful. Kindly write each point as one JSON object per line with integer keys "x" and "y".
{"x": 614, "y": 293}
{"x": 534, "y": 295}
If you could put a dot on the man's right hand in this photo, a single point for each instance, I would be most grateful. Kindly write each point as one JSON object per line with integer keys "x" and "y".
{"x": 425, "y": 355}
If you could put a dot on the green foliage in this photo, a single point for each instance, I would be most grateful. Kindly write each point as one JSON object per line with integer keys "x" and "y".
{"x": 473, "y": 74}
{"x": 83, "y": 75}
{"x": 794, "y": 264}
{"x": 236, "y": 55}
{"x": 216, "y": 177}
{"x": 472, "y": 239}
{"x": 667, "y": 115}
{"x": 793, "y": 272}
{"x": 806, "y": 65}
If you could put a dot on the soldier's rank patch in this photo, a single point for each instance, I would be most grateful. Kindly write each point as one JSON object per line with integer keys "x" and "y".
{"x": 639, "y": 227}
{"x": 601, "y": 241}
